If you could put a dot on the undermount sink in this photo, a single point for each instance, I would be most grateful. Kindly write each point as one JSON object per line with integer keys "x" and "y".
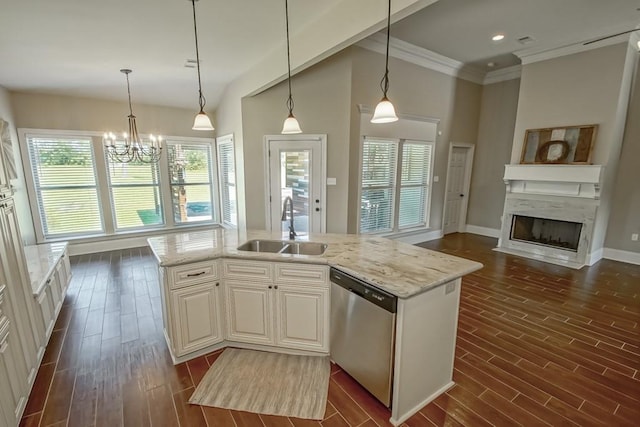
{"x": 284, "y": 247}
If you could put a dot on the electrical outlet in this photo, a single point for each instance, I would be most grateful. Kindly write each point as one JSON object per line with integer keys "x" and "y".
{"x": 634, "y": 237}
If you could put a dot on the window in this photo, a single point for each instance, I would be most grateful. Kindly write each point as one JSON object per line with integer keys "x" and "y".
{"x": 227, "y": 171}
{"x": 135, "y": 194}
{"x": 395, "y": 184}
{"x": 64, "y": 183}
{"x": 190, "y": 180}
{"x": 76, "y": 191}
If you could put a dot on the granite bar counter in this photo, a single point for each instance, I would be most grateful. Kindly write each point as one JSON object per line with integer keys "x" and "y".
{"x": 402, "y": 269}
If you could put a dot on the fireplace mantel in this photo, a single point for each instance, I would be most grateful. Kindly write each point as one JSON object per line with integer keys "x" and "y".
{"x": 558, "y": 180}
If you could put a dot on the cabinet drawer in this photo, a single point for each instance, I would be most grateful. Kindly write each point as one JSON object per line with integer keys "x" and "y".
{"x": 302, "y": 273}
{"x": 191, "y": 274}
{"x": 248, "y": 269}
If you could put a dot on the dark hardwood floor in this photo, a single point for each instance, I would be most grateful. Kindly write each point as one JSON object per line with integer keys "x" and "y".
{"x": 537, "y": 344}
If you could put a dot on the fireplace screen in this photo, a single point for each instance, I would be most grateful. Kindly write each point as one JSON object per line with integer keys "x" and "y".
{"x": 547, "y": 232}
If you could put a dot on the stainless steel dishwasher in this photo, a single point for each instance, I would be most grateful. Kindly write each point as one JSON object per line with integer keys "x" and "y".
{"x": 363, "y": 321}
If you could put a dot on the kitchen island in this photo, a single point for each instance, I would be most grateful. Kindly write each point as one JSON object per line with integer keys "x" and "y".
{"x": 215, "y": 295}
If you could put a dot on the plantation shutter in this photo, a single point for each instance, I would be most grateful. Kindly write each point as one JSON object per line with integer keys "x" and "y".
{"x": 65, "y": 185}
{"x": 378, "y": 185}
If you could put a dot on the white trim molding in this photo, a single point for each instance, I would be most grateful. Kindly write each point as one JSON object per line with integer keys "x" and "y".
{"x": 622, "y": 256}
{"x": 416, "y": 237}
{"x": 422, "y": 57}
{"x": 503, "y": 74}
{"x": 482, "y": 231}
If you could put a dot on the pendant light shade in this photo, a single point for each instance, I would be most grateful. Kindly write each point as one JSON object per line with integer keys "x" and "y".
{"x": 291, "y": 124}
{"x": 201, "y": 121}
{"x": 385, "y": 112}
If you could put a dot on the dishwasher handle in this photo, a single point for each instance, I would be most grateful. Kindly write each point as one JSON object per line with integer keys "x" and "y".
{"x": 364, "y": 290}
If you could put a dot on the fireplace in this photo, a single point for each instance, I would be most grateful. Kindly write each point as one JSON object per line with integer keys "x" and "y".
{"x": 546, "y": 232}
{"x": 550, "y": 213}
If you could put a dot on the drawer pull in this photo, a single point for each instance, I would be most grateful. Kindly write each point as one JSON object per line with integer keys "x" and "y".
{"x": 48, "y": 281}
{"x": 196, "y": 274}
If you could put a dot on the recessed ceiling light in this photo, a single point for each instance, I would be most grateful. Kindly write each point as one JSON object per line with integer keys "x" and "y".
{"x": 491, "y": 64}
{"x": 497, "y": 37}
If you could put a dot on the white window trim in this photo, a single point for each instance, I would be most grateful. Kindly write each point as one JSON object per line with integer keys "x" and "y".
{"x": 395, "y": 232}
{"x": 103, "y": 187}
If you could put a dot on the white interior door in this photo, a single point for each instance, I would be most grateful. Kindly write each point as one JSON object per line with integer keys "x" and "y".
{"x": 458, "y": 180}
{"x": 296, "y": 169}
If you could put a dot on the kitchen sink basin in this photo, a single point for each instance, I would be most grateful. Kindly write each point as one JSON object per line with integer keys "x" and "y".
{"x": 284, "y": 247}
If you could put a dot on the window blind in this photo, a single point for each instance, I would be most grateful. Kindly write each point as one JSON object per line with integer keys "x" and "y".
{"x": 415, "y": 175}
{"x": 135, "y": 194}
{"x": 190, "y": 176}
{"x": 378, "y": 185}
{"x": 65, "y": 185}
{"x": 226, "y": 166}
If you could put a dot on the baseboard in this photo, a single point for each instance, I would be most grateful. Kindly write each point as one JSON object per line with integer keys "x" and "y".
{"x": 594, "y": 257}
{"x": 418, "y": 237}
{"x": 107, "y": 245}
{"x": 482, "y": 231}
{"x": 622, "y": 256}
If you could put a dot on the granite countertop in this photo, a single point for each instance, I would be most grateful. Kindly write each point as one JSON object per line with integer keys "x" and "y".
{"x": 41, "y": 261}
{"x": 402, "y": 269}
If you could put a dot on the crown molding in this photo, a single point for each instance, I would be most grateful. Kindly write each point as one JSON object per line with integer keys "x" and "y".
{"x": 503, "y": 74}
{"x": 529, "y": 56}
{"x": 423, "y": 57}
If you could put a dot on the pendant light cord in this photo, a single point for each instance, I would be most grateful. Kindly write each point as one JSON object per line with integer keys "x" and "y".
{"x": 384, "y": 83}
{"x": 290, "y": 99}
{"x": 201, "y": 99}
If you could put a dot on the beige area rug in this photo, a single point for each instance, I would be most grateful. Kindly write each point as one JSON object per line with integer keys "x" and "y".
{"x": 266, "y": 383}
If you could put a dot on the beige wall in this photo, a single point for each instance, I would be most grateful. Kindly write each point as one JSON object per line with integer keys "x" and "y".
{"x": 417, "y": 91}
{"x": 322, "y": 96}
{"x": 495, "y": 137}
{"x": 625, "y": 213}
{"x": 72, "y": 113}
{"x": 583, "y": 88}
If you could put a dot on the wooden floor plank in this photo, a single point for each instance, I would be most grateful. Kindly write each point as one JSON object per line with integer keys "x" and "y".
{"x": 537, "y": 344}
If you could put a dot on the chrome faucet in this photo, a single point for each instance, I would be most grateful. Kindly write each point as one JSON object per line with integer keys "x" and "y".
{"x": 292, "y": 232}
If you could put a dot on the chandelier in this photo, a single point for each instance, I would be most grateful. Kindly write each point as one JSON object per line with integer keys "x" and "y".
{"x": 129, "y": 147}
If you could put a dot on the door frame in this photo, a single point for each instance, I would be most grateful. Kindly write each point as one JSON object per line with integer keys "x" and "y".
{"x": 462, "y": 220}
{"x": 316, "y": 138}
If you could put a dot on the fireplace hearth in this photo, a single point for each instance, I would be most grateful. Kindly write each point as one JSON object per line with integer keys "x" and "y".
{"x": 546, "y": 232}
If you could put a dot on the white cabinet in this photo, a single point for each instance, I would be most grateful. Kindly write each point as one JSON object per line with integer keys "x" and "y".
{"x": 282, "y": 304}
{"x": 197, "y": 317}
{"x": 192, "y": 309}
{"x": 302, "y": 317}
{"x": 249, "y": 312}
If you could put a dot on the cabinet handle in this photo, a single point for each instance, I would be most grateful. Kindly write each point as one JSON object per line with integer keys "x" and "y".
{"x": 270, "y": 286}
{"x": 217, "y": 283}
{"x": 275, "y": 287}
{"x": 196, "y": 274}
{"x": 48, "y": 281}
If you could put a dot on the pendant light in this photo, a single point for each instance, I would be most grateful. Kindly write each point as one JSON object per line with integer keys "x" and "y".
{"x": 385, "y": 113}
{"x": 291, "y": 124}
{"x": 130, "y": 148}
{"x": 202, "y": 121}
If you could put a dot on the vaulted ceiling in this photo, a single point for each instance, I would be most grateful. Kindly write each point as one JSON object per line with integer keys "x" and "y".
{"x": 76, "y": 47}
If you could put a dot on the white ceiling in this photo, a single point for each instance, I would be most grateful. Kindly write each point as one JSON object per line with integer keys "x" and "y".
{"x": 77, "y": 47}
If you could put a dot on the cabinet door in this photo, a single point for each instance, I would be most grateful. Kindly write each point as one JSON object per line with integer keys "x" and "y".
{"x": 249, "y": 312}
{"x": 47, "y": 309}
{"x": 196, "y": 312}
{"x": 302, "y": 317}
